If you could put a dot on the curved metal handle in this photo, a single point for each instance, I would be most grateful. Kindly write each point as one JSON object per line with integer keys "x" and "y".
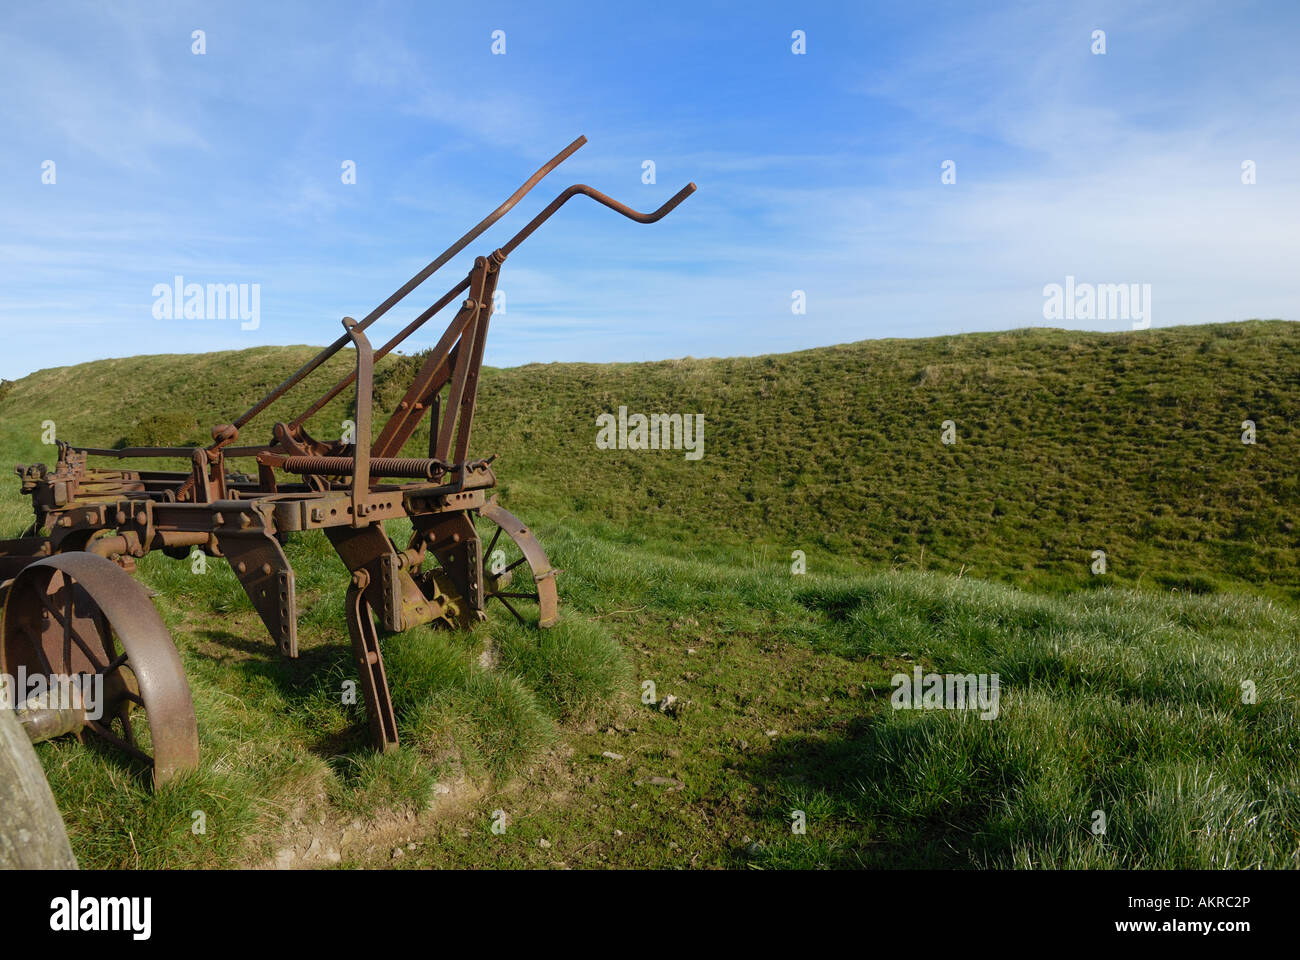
{"x": 586, "y": 191}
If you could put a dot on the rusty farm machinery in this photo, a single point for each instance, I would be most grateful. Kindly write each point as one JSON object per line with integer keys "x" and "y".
{"x": 71, "y": 608}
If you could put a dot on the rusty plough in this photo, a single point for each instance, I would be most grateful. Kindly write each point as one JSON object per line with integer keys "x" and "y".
{"x": 70, "y": 608}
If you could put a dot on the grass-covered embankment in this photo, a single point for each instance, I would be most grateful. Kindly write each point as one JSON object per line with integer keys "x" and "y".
{"x": 1132, "y": 697}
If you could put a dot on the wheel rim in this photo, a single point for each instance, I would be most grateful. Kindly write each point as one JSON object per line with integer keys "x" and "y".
{"x": 80, "y": 615}
{"x": 517, "y": 573}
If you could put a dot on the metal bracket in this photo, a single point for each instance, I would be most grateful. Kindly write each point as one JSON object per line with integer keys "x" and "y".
{"x": 264, "y": 572}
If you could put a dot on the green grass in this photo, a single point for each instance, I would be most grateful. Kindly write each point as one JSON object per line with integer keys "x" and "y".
{"x": 1128, "y": 702}
{"x": 1119, "y": 702}
{"x": 279, "y": 744}
{"x": 1067, "y": 442}
{"x": 1120, "y": 693}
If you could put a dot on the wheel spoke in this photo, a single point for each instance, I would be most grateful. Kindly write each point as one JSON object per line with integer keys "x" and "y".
{"x": 69, "y": 633}
{"x": 124, "y": 715}
{"x": 115, "y": 664}
{"x": 48, "y": 605}
{"x": 40, "y": 650}
{"x": 67, "y": 626}
{"x": 510, "y": 608}
{"x": 496, "y": 536}
{"x": 90, "y": 654}
{"x": 100, "y": 730}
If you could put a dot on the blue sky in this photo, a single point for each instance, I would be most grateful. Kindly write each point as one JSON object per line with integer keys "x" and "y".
{"x": 818, "y": 172}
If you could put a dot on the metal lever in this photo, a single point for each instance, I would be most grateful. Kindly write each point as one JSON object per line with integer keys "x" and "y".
{"x": 586, "y": 191}
{"x": 361, "y": 449}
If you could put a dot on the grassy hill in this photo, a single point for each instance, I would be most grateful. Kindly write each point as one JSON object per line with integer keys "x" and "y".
{"x": 1121, "y": 693}
{"x": 1066, "y": 443}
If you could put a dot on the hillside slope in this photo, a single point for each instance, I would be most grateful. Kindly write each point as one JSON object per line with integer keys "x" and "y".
{"x": 1066, "y": 443}
{"x": 677, "y": 572}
